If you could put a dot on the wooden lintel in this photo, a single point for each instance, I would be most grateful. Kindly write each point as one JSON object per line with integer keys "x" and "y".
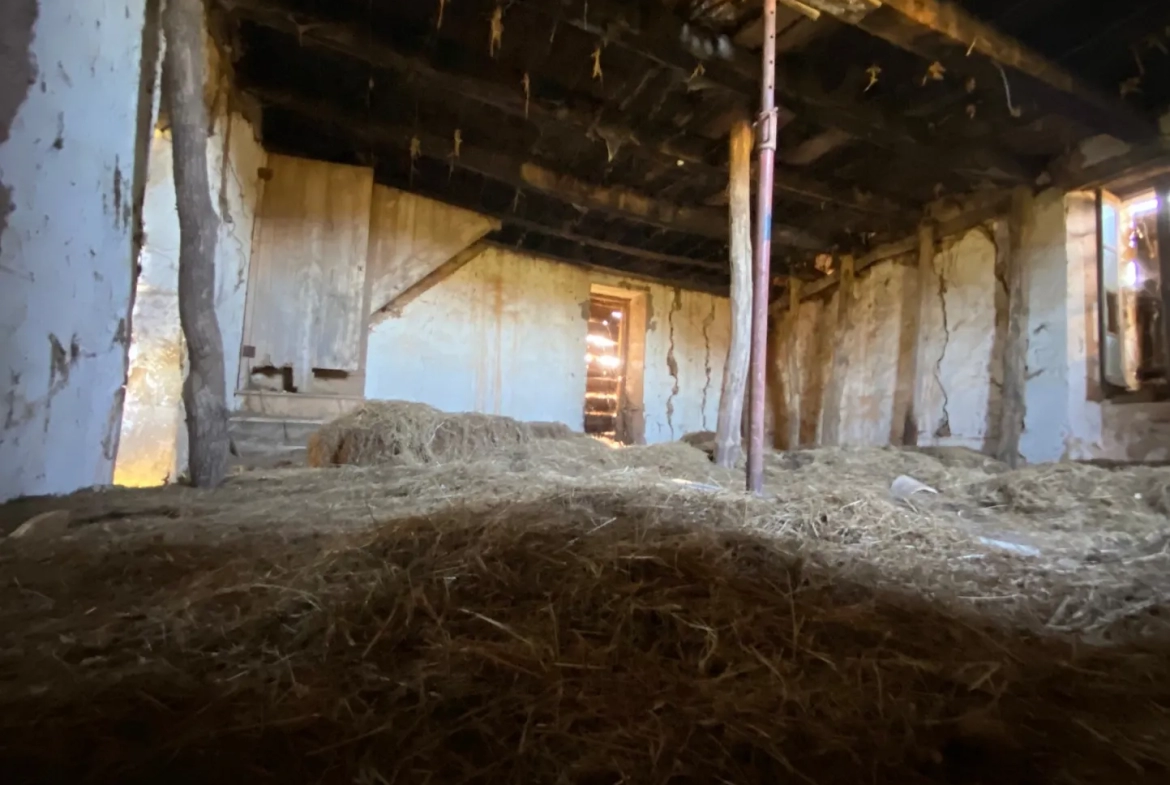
{"x": 971, "y": 36}
{"x": 580, "y": 113}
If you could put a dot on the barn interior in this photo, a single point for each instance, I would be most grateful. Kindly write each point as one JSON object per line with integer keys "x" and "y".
{"x": 454, "y": 299}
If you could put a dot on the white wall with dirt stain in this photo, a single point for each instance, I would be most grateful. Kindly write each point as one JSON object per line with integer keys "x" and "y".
{"x": 506, "y": 335}
{"x": 69, "y": 127}
{"x": 153, "y": 445}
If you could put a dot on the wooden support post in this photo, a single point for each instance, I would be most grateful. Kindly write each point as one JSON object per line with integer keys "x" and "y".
{"x": 204, "y": 388}
{"x": 927, "y": 288}
{"x": 729, "y": 429}
{"x": 795, "y": 371}
{"x": 842, "y": 336}
{"x": 1015, "y": 356}
{"x": 904, "y": 428}
{"x": 762, "y": 253}
{"x": 1163, "y": 221}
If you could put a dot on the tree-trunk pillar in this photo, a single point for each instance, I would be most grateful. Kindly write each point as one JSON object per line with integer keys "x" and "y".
{"x": 735, "y": 372}
{"x": 204, "y": 388}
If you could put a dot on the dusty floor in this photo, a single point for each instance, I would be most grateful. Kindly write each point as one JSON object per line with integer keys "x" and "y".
{"x": 1066, "y": 548}
{"x": 560, "y": 611}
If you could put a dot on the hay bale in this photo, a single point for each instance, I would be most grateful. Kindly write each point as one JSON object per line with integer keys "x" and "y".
{"x": 702, "y": 440}
{"x": 552, "y": 430}
{"x": 589, "y": 457}
{"x": 593, "y": 637}
{"x": 406, "y": 433}
{"x": 674, "y": 459}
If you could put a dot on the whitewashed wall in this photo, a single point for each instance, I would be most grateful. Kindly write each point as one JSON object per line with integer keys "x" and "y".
{"x": 687, "y": 337}
{"x": 506, "y": 335}
{"x": 956, "y": 374}
{"x": 69, "y": 111}
{"x": 867, "y": 400}
{"x": 958, "y": 335}
{"x": 1048, "y": 393}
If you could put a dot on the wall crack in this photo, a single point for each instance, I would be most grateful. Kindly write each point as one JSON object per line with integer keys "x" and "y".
{"x": 944, "y": 427}
{"x": 671, "y": 361}
{"x": 707, "y": 361}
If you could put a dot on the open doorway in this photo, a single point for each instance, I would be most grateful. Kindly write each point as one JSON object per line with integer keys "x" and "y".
{"x": 606, "y": 359}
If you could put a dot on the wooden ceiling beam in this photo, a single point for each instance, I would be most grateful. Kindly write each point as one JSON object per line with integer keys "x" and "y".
{"x": 902, "y": 23}
{"x": 682, "y": 262}
{"x": 580, "y": 114}
{"x": 656, "y": 35}
{"x": 526, "y": 175}
{"x": 528, "y": 225}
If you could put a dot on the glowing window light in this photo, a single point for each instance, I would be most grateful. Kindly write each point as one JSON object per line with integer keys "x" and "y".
{"x": 600, "y": 340}
{"x": 616, "y": 314}
{"x": 1130, "y": 276}
{"x": 1143, "y": 207}
{"x": 604, "y": 360}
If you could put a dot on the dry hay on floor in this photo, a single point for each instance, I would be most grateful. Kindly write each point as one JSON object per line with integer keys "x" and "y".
{"x": 1058, "y": 497}
{"x": 576, "y": 632}
{"x": 562, "y": 614}
{"x": 707, "y": 441}
{"x": 407, "y": 433}
{"x": 586, "y": 457}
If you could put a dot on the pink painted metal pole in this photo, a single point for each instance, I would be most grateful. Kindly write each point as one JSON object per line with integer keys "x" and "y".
{"x": 761, "y": 285}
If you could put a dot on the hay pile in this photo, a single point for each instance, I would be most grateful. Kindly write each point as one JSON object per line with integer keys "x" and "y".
{"x": 406, "y": 433}
{"x": 569, "y": 637}
{"x": 563, "y": 612}
{"x": 401, "y": 433}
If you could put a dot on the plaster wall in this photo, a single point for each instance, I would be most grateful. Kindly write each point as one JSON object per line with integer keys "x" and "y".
{"x": 871, "y": 379}
{"x": 959, "y": 370}
{"x": 70, "y": 133}
{"x": 957, "y": 353}
{"x": 506, "y": 335}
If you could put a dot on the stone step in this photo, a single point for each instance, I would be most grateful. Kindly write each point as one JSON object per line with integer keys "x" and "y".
{"x": 271, "y": 434}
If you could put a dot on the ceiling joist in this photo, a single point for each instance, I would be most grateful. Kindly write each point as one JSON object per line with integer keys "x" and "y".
{"x": 655, "y": 35}
{"x": 666, "y": 147}
{"x": 902, "y": 23}
{"x": 612, "y": 200}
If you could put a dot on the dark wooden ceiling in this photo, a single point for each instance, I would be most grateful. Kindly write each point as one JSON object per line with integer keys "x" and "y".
{"x": 625, "y": 166}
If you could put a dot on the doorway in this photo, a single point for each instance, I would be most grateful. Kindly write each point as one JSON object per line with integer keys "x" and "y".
{"x": 606, "y": 359}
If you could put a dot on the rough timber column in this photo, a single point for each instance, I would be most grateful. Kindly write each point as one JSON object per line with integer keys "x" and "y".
{"x": 730, "y": 425}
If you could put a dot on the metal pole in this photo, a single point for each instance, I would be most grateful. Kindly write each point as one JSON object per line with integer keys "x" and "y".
{"x": 761, "y": 286}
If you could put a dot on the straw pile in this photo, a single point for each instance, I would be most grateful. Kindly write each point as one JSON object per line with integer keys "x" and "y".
{"x": 515, "y": 619}
{"x": 406, "y": 433}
